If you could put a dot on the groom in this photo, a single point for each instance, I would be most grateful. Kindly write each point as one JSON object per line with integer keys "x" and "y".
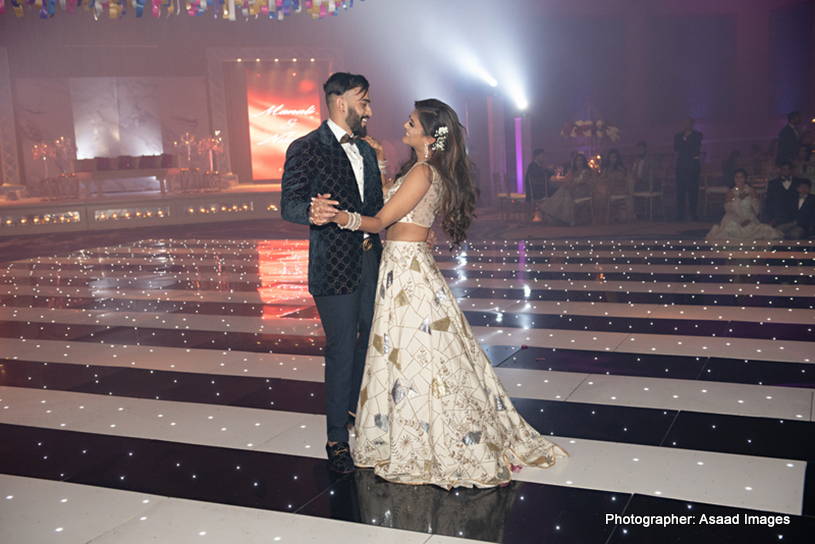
{"x": 338, "y": 160}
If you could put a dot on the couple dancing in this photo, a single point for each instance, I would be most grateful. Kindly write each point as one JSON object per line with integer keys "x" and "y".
{"x": 426, "y": 403}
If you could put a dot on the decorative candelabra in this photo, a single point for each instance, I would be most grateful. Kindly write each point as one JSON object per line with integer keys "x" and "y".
{"x": 65, "y": 153}
{"x": 186, "y": 143}
{"x": 211, "y": 145}
{"x": 44, "y": 151}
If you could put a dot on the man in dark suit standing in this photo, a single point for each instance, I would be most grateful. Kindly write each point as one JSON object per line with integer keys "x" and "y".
{"x": 536, "y": 182}
{"x": 805, "y": 214}
{"x": 339, "y": 160}
{"x": 781, "y": 201}
{"x": 688, "y": 147}
{"x": 789, "y": 139}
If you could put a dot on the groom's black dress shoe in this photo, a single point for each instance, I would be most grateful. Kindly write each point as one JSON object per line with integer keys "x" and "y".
{"x": 339, "y": 458}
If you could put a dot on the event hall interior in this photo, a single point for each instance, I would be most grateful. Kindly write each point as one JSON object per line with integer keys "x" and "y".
{"x": 161, "y": 358}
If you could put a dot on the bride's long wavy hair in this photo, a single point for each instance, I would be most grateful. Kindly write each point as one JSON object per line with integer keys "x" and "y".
{"x": 453, "y": 164}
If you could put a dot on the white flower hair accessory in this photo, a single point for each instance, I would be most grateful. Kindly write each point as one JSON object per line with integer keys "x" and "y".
{"x": 441, "y": 137}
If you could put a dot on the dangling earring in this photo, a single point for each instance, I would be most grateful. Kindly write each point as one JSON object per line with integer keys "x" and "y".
{"x": 426, "y": 151}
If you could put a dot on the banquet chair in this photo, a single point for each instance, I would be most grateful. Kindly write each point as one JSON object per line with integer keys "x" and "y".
{"x": 515, "y": 202}
{"x": 804, "y": 169}
{"x": 710, "y": 188}
{"x": 617, "y": 197}
{"x": 535, "y": 199}
{"x": 501, "y": 198}
{"x": 582, "y": 202}
{"x": 654, "y": 190}
{"x": 759, "y": 183}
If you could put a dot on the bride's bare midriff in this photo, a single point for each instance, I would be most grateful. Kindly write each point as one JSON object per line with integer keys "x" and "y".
{"x": 406, "y": 232}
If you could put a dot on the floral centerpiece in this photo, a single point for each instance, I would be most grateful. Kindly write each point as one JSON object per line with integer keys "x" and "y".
{"x": 590, "y": 129}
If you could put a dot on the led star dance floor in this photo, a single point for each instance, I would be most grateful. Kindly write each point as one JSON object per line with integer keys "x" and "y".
{"x": 170, "y": 389}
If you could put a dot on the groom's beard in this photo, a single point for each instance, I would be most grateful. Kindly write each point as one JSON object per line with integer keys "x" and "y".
{"x": 354, "y": 122}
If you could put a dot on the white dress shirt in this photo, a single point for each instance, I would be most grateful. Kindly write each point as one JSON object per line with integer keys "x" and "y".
{"x": 356, "y": 160}
{"x": 353, "y": 155}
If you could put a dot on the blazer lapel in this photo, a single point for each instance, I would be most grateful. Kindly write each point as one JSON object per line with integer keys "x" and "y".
{"x": 371, "y": 173}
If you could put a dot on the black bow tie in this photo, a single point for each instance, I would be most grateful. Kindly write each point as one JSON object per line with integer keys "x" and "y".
{"x": 348, "y": 139}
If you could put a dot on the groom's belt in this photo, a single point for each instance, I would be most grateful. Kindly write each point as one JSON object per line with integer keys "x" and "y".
{"x": 367, "y": 244}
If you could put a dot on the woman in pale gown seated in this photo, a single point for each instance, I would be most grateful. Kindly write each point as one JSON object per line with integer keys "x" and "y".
{"x": 431, "y": 409}
{"x": 740, "y": 220}
{"x": 560, "y": 207}
{"x": 613, "y": 180}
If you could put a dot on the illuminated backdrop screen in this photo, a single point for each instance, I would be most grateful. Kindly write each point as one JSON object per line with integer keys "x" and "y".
{"x": 283, "y": 103}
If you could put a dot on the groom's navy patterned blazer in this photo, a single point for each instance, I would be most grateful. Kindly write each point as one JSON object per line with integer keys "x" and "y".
{"x": 317, "y": 164}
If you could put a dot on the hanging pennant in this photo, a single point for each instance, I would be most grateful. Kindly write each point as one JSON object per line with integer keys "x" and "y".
{"x": 228, "y": 9}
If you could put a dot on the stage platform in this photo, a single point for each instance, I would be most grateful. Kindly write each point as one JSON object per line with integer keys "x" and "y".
{"x": 33, "y": 216}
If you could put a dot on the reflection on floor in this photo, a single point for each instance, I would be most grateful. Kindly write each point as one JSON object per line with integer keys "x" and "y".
{"x": 167, "y": 387}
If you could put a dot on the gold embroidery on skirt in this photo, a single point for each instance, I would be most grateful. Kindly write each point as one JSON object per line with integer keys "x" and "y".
{"x": 439, "y": 388}
{"x": 378, "y": 343}
{"x": 394, "y": 359}
{"x": 442, "y": 325}
{"x": 401, "y": 299}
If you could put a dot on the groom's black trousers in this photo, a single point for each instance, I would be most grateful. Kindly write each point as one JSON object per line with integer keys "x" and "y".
{"x": 347, "y": 321}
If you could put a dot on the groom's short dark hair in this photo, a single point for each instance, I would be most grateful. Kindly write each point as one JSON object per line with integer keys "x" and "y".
{"x": 342, "y": 82}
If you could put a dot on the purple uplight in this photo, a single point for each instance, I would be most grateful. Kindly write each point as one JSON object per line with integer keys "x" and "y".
{"x": 519, "y": 155}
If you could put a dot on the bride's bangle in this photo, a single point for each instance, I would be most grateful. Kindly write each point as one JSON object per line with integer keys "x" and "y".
{"x": 354, "y": 221}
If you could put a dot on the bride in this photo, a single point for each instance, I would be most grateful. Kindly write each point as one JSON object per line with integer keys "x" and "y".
{"x": 740, "y": 221}
{"x": 431, "y": 409}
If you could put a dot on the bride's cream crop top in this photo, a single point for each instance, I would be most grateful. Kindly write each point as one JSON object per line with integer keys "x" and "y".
{"x": 425, "y": 212}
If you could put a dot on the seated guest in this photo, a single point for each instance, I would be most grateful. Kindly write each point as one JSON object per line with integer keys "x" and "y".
{"x": 644, "y": 164}
{"x": 560, "y": 207}
{"x": 805, "y": 214}
{"x": 802, "y": 159}
{"x": 740, "y": 221}
{"x": 613, "y": 180}
{"x": 782, "y": 199}
{"x": 537, "y": 176}
{"x": 803, "y": 153}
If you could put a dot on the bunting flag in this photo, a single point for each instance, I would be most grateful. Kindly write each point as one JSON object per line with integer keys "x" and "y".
{"x": 228, "y": 9}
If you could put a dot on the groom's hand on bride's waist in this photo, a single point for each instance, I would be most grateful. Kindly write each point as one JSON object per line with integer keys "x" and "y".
{"x": 431, "y": 239}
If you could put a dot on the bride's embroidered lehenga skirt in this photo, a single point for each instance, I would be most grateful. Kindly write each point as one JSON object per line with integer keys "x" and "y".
{"x": 431, "y": 408}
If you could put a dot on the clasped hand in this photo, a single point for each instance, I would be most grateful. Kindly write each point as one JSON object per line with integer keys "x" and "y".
{"x": 322, "y": 209}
